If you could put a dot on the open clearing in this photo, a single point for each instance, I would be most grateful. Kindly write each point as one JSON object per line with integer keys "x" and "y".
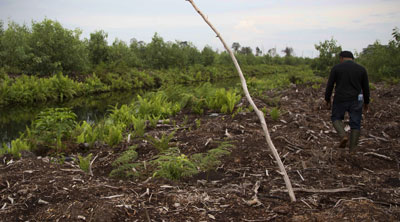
{"x": 330, "y": 185}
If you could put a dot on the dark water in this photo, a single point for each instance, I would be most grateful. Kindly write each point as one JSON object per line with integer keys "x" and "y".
{"x": 14, "y": 119}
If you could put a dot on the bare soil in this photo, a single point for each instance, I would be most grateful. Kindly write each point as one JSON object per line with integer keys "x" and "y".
{"x": 330, "y": 184}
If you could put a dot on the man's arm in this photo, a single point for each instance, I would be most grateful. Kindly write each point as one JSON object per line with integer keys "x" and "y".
{"x": 329, "y": 86}
{"x": 365, "y": 90}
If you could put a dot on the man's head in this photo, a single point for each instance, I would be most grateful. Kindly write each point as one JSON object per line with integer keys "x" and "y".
{"x": 346, "y": 55}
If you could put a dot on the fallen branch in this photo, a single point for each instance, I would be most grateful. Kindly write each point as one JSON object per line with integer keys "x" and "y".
{"x": 338, "y": 190}
{"x": 90, "y": 165}
{"x": 259, "y": 113}
{"x": 378, "y": 155}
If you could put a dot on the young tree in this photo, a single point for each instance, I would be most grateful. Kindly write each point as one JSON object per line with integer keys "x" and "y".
{"x": 55, "y": 49}
{"x": 235, "y": 47}
{"x": 258, "y": 51}
{"x": 288, "y": 51}
{"x": 15, "y": 54}
{"x": 328, "y": 56}
{"x": 98, "y": 47}
{"x": 207, "y": 56}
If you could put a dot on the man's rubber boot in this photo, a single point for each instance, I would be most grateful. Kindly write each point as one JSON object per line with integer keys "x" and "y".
{"x": 338, "y": 125}
{"x": 354, "y": 135}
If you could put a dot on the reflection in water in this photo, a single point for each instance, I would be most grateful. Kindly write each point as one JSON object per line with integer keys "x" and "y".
{"x": 14, "y": 119}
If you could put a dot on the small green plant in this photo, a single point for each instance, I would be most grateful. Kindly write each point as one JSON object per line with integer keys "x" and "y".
{"x": 208, "y": 161}
{"x": 153, "y": 120}
{"x": 124, "y": 165}
{"x": 51, "y": 127}
{"x": 139, "y": 125}
{"x": 84, "y": 162}
{"x": 86, "y": 134}
{"x": 113, "y": 134}
{"x": 15, "y": 149}
{"x": 198, "y": 123}
{"x": 274, "y": 113}
{"x": 316, "y": 86}
{"x": 161, "y": 144}
{"x": 174, "y": 166}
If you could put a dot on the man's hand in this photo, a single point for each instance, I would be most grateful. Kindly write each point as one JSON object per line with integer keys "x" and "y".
{"x": 366, "y": 108}
{"x": 328, "y": 104}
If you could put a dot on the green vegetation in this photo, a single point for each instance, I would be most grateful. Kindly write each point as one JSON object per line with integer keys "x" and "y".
{"x": 275, "y": 113}
{"x": 161, "y": 144}
{"x": 51, "y": 127}
{"x": 383, "y": 61}
{"x": 125, "y": 164}
{"x": 84, "y": 162}
{"x": 17, "y": 146}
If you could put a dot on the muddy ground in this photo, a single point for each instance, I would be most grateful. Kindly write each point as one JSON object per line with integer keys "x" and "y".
{"x": 330, "y": 184}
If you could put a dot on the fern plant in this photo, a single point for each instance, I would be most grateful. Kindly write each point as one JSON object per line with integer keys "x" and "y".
{"x": 84, "y": 162}
{"x": 174, "y": 166}
{"x": 208, "y": 161}
{"x": 124, "y": 165}
{"x": 161, "y": 144}
{"x": 86, "y": 134}
{"x": 15, "y": 149}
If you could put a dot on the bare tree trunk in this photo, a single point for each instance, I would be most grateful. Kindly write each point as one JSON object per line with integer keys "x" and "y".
{"x": 256, "y": 110}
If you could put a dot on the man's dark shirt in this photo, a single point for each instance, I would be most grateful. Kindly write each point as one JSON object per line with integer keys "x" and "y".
{"x": 351, "y": 79}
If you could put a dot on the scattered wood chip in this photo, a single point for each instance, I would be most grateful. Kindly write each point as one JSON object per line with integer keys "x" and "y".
{"x": 111, "y": 197}
{"x": 211, "y": 216}
{"x": 42, "y": 201}
{"x": 81, "y": 217}
{"x": 378, "y": 155}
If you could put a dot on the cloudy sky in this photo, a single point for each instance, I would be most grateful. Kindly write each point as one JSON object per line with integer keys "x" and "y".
{"x": 264, "y": 23}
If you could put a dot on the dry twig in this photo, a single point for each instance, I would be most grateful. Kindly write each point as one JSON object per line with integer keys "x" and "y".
{"x": 259, "y": 113}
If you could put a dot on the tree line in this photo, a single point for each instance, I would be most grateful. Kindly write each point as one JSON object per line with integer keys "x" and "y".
{"x": 46, "y": 48}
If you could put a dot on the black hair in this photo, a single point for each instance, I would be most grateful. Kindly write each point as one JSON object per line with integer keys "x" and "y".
{"x": 346, "y": 54}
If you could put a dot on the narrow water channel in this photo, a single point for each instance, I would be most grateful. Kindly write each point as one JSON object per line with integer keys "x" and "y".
{"x": 14, "y": 119}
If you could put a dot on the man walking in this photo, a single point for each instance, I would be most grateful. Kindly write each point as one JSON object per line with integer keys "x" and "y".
{"x": 351, "y": 92}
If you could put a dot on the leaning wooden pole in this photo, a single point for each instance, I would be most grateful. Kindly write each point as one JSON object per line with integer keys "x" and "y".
{"x": 258, "y": 112}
